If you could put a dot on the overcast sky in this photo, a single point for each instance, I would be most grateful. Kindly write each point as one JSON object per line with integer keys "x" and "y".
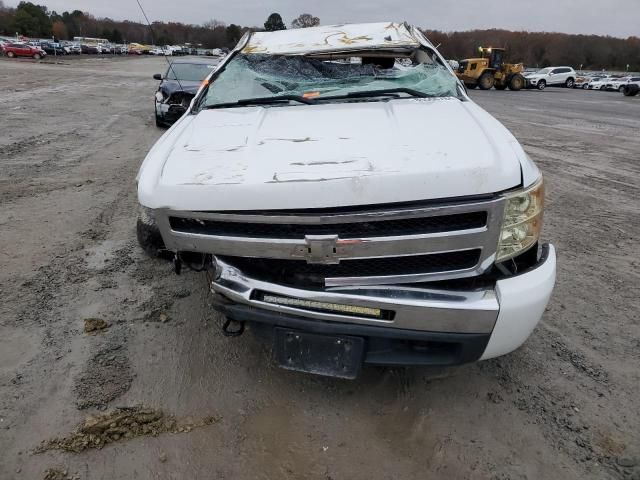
{"x": 620, "y": 18}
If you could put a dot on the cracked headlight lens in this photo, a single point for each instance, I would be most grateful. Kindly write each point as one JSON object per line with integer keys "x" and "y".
{"x": 522, "y": 221}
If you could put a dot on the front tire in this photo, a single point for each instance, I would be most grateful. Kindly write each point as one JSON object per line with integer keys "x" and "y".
{"x": 37, "y": 56}
{"x": 516, "y": 83}
{"x": 542, "y": 85}
{"x": 148, "y": 234}
{"x": 486, "y": 81}
{"x": 569, "y": 83}
{"x": 630, "y": 90}
{"x": 11, "y": 54}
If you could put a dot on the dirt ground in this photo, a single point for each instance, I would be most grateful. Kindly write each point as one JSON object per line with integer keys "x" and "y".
{"x": 566, "y": 405}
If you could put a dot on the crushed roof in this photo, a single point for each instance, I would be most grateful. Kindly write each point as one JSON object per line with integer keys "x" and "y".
{"x": 332, "y": 38}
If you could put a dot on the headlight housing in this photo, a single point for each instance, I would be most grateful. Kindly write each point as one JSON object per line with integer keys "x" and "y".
{"x": 522, "y": 221}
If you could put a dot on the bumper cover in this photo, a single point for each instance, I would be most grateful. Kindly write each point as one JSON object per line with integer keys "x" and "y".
{"x": 429, "y": 327}
{"x": 169, "y": 113}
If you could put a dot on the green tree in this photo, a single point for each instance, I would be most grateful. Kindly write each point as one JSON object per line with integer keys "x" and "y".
{"x": 305, "y": 20}
{"x": 32, "y": 20}
{"x": 233, "y": 34}
{"x": 116, "y": 36}
{"x": 274, "y": 23}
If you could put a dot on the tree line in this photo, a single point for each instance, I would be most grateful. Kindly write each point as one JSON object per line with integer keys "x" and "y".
{"x": 543, "y": 49}
{"x": 534, "y": 49}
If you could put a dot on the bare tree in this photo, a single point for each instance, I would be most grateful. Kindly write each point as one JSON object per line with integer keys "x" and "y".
{"x": 305, "y": 20}
{"x": 211, "y": 24}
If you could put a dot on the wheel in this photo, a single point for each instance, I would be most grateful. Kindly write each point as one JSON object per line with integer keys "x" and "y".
{"x": 603, "y": 87}
{"x": 630, "y": 90}
{"x": 11, "y": 54}
{"x": 585, "y": 86}
{"x": 470, "y": 86}
{"x": 148, "y": 234}
{"x": 36, "y": 56}
{"x": 542, "y": 85}
{"x": 621, "y": 88}
{"x": 516, "y": 82}
{"x": 500, "y": 86}
{"x": 486, "y": 81}
{"x": 569, "y": 83}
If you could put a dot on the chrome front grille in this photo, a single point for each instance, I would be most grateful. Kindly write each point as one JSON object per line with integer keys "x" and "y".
{"x": 382, "y": 245}
{"x": 302, "y": 274}
{"x": 347, "y": 230}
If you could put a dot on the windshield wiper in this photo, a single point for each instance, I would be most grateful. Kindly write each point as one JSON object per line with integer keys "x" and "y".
{"x": 386, "y": 92}
{"x": 260, "y": 101}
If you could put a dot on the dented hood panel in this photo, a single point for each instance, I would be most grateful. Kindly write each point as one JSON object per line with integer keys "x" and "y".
{"x": 319, "y": 156}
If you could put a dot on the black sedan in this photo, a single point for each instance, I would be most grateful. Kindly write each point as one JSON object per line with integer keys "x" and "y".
{"x": 53, "y": 49}
{"x": 177, "y": 88}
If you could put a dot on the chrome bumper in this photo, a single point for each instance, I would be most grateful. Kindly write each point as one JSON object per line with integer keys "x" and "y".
{"x": 419, "y": 309}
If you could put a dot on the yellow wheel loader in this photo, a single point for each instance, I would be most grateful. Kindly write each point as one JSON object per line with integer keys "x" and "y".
{"x": 490, "y": 70}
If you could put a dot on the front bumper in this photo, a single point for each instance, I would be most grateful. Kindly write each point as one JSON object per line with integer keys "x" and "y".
{"x": 427, "y": 326}
{"x": 169, "y": 113}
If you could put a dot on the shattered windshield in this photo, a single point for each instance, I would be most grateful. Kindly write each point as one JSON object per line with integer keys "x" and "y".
{"x": 258, "y": 76}
{"x": 189, "y": 72}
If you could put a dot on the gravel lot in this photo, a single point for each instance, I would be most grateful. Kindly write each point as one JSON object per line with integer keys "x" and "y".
{"x": 566, "y": 405}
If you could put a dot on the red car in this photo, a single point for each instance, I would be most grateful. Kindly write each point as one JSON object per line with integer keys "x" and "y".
{"x": 22, "y": 50}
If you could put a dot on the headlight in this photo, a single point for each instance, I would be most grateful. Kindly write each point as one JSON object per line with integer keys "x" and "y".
{"x": 522, "y": 221}
{"x": 159, "y": 96}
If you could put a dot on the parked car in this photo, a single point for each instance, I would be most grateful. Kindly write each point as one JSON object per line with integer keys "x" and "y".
{"x": 89, "y": 49}
{"x": 74, "y": 48}
{"x": 599, "y": 83}
{"x": 159, "y": 51}
{"x": 177, "y": 88}
{"x": 618, "y": 84}
{"x": 53, "y": 48}
{"x": 552, "y": 76}
{"x": 588, "y": 81}
{"x": 22, "y": 50}
{"x": 342, "y": 212}
{"x": 581, "y": 81}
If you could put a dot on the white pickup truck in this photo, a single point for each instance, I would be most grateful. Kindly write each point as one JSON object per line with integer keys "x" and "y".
{"x": 345, "y": 196}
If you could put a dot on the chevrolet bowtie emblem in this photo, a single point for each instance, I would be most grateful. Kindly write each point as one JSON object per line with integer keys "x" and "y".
{"x": 321, "y": 249}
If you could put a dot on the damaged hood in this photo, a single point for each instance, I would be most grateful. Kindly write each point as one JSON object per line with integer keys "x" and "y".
{"x": 330, "y": 155}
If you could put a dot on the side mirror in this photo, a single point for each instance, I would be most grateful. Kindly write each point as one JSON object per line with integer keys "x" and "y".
{"x": 157, "y": 76}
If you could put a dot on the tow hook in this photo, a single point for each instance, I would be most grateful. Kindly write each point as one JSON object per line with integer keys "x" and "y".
{"x": 236, "y": 331}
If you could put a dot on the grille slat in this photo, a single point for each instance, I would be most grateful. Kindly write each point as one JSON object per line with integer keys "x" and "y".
{"x": 379, "y": 228}
{"x": 299, "y": 272}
